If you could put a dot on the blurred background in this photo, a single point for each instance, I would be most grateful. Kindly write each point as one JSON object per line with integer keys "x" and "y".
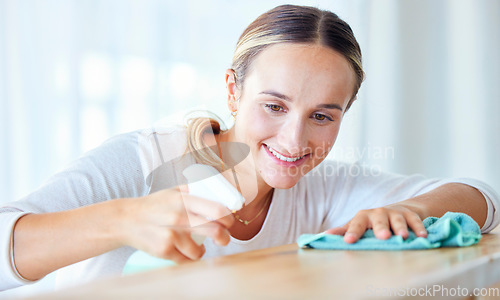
{"x": 74, "y": 73}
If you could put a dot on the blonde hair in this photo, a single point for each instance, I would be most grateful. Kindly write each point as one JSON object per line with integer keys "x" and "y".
{"x": 197, "y": 127}
{"x": 282, "y": 24}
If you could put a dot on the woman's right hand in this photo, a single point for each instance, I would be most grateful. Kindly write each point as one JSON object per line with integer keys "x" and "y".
{"x": 161, "y": 224}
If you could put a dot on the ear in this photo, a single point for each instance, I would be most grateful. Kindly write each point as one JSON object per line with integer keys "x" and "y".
{"x": 232, "y": 99}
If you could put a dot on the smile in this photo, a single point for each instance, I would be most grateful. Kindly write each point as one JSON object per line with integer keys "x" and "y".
{"x": 283, "y": 158}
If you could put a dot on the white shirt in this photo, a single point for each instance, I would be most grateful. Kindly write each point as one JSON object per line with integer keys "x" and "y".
{"x": 142, "y": 162}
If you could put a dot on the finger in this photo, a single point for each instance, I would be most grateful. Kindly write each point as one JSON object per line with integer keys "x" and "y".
{"x": 207, "y": 209}
{"x": 356, "y": 228}
{"x": 337, "y": 230}
{"x": 415, "y": 223}
{"x": 398, "y": 225}
{"x": 202, "y": 225}
{"x": 380, "y": 223}
{"x": 185, "y": 221}
{"x": 176, "y": 256}
{"x": 219, "y": 234}
{"x": 187, "y": 246}
{"x": 170, "y": 250}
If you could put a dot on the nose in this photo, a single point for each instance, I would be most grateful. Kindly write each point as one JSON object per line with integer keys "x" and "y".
{"x": 292, "y": 136}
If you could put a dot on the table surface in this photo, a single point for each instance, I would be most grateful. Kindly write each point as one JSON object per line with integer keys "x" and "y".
{"x": 288, "y": 272}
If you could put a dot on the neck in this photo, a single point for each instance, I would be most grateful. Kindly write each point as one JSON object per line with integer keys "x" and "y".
{"x": 253, "y": 188}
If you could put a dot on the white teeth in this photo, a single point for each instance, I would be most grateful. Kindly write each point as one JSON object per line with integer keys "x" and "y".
{"x": 281, "y": 157}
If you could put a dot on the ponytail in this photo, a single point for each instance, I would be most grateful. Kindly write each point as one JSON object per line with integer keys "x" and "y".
{"x": 197, "y": 127}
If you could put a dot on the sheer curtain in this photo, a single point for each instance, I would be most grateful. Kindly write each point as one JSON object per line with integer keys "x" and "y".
{"x": 73, "y": 73}
{"x": 432, "y": 91}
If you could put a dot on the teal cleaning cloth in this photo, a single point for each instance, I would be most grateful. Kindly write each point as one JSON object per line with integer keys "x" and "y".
{"x": 451, "y": 230}
{"x": 141, "y": 261}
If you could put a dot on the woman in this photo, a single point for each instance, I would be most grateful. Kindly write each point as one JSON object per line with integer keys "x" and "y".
{"x": 295, "y": 73}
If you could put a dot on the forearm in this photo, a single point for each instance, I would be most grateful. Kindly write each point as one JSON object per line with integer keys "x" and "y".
{"x": 44, "y": 243}
{"x": 455, "y": 197}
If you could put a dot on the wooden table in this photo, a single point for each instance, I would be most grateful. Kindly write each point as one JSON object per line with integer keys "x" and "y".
{"x": 288, "y": 272}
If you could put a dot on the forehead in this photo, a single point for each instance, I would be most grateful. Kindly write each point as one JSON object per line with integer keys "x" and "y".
{"x": 303, "y": 70}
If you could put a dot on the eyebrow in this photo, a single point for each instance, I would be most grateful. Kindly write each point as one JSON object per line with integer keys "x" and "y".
{"x": 286, "y": 98}
{"x": 277, "y": 95}
{"x": 330, "y": 106}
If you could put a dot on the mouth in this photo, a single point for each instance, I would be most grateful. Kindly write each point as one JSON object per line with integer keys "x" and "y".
{"x": 285, "y": 160}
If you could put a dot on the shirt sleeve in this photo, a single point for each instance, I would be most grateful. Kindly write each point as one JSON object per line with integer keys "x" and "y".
{"x": 490, "y": 196}
{"x": 110, "y": 171}
{"x": 9, "y": 277}
{"x": 353, "y": 187}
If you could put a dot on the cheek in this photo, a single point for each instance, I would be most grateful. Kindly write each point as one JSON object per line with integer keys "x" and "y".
{"x": 323, "y": 141}
{"x": 256, "y": 125}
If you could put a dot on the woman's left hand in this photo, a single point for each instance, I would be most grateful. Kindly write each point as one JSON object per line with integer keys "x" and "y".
{"x": 382, "y": 220}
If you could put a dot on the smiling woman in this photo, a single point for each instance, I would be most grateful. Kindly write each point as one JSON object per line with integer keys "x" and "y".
{"x": 294, "y": 121}
{"x": 290, "y": 62}
{"x": 295, "y": 73}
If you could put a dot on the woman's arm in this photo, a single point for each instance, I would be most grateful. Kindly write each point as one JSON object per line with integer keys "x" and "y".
{"x": 72, "y": 216}
{"x": 399, "y": 216}
{"x": 46, "y": 242}
{"x": 158, "y": 224}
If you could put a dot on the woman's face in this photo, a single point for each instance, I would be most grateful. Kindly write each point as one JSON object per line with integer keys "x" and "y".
{"x": 290, "y": 109}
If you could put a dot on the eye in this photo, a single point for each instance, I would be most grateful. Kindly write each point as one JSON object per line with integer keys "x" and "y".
{"x": 321, "y": 117}
{"x": 274, "y": 107}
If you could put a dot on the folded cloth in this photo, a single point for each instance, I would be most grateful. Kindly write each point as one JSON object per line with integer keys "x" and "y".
{"x": 451, "y": 230}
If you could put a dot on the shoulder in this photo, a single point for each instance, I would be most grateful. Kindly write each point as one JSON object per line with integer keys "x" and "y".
{"x": 176, "y": 134}
{"x": 330, "y": 170}
{"x": 141, "y": 143}
{"x": 341, "y": 180}
{"x": 339, "y": 169}
{"x": 158, "y": 146}
{"x": 140, "y": 151}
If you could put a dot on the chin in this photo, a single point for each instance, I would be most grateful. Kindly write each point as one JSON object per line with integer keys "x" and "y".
{"x": 284, "y": 186}
{"x": 282, "y": 182}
